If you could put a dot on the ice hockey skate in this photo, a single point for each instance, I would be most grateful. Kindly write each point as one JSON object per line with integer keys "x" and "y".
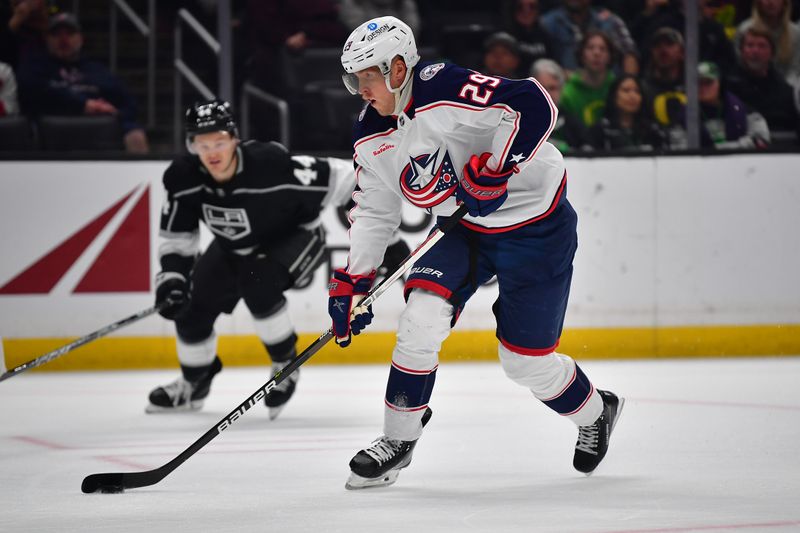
{"x": 380, "y": 464}
{"x": 184, "y": 394}
{"x": 277, "y": 398}
{"x": 593, "y": 440}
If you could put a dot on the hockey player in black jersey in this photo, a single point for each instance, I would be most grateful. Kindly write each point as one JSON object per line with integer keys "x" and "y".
{"x": 262, "y": 205}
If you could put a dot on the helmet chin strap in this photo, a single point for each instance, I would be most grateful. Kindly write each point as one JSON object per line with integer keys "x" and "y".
{"x": 401, "y": 94}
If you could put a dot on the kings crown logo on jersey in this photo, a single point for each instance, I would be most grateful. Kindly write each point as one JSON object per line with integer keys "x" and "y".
{"x": 428, "y": 179}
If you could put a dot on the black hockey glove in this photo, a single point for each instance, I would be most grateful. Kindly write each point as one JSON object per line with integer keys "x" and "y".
{"x": 172, "y": 288}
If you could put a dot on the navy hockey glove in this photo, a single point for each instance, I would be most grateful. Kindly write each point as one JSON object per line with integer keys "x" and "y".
{"x": 482, "y": 190}
{"x": 345, "y": 291}
{"x": 172, "y": 288}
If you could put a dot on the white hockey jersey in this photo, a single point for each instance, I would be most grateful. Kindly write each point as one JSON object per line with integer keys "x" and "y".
{"x": 419, "y": 155}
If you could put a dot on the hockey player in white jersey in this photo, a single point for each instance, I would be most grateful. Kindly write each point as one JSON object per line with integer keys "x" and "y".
{"x": 438, "y": 135}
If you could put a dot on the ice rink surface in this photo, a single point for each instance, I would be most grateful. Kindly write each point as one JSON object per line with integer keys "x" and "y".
{"x": 702, "y": 445}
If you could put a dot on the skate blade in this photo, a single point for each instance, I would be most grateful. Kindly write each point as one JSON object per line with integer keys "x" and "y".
{"x": 619, "y": 412}
{"x": 613, "y": 425}
{"x": 188, "y": 408}
{"x": 356, "y": 482}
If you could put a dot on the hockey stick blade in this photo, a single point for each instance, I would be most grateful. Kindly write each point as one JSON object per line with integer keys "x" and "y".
{"x": 118, "y": 482}
{"x": 102, "y": 332}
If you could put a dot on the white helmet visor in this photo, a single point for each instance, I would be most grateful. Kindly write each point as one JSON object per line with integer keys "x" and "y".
{"x": 350, "y": 81}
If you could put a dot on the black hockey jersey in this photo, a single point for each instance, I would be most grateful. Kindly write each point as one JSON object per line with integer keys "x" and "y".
{"x": 271, "y": 194}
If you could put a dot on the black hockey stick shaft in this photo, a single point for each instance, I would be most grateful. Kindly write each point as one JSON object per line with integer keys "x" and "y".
{"x": 46, "y": 358}
{"x": 116, "y": 482}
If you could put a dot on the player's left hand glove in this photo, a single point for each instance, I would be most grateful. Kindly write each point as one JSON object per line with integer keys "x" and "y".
{"x": 345, "y": 291}
{"x": 482, "y": 190}
{"x": 172, "y": 294}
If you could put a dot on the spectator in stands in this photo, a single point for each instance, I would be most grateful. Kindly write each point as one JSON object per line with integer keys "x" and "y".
{"x": 714, "y": 44}
{"x": 663, "y": 83}
{"x": 585, "y": 92}
{"x": 27, "y": 26}
{"x": 568, "y": 133}
{"x": 775, "y": 16}
{"x": 275, "y": 27}
{"x": 759, "y": 84}
{"x": 523, "y": 22}
{"x": 64, "y": 82}
{"x": 8, "y": 91}
{"x": 569, "y": 24}
{"x": 501, "y": 56}
{"x": 729, "y": 13}
{"x": 725, "y": 120}
{"x": 626, "y": 123}
{"x": 354, "y": 12}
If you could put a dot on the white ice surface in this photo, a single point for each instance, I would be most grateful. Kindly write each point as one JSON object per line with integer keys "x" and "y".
{"x": 703, "y": 445}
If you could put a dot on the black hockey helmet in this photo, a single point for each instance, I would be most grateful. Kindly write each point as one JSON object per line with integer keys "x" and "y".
{"x": 210, "y": 116}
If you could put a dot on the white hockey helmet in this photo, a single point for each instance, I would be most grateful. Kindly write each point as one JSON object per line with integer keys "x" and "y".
{"x": 376, "y": 43}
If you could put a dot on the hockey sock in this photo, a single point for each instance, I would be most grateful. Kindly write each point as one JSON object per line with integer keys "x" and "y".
{"x": 276, "y": 331}
{"x": 197, "y": 354}
{"x": 408, "y": 389}
{"x": 283, "y": 351}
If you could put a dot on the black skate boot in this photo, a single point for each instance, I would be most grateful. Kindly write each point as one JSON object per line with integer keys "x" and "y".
{"x": 186, "y": 393}
{"x": 380, "y": 464}
{"x": 593, "y": 440}
{"x": 277, "y": 398}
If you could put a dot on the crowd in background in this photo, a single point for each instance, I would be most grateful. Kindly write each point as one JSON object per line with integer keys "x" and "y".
{"x": 615, "y": 69}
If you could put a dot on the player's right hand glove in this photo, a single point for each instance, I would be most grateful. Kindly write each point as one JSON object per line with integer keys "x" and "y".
{"x": 482, "y": 190}
{"x": 172, "y": 289}
{"x": 345, "y": 291}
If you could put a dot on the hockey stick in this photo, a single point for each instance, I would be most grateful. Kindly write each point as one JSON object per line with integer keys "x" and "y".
{"x": 117, "y": 482}
{"x": 46, "y": 358}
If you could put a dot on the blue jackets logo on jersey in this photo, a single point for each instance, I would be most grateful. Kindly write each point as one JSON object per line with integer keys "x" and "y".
{"x": 428, "y": 179}
{"x": 430, "y": 71}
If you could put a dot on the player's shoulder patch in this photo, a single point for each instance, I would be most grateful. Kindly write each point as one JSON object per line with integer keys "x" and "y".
{"x": 437, "y": 81}
{"x": 429, "y": 71}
